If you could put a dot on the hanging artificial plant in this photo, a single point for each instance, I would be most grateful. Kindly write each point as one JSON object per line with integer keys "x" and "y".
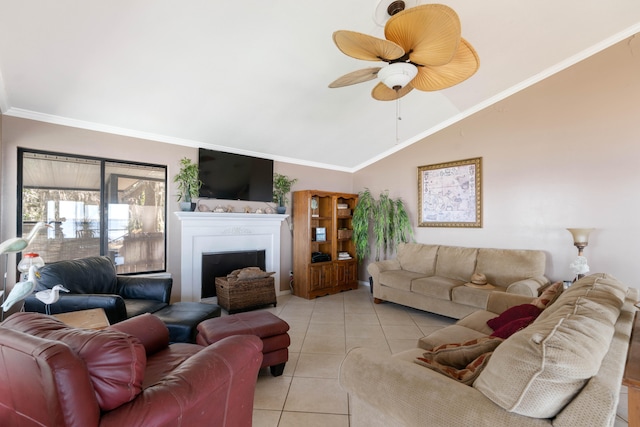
{"x": 386, "y": 218}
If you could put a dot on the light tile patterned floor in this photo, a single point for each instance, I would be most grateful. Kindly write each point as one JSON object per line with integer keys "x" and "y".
{"x": 322, "y": 331}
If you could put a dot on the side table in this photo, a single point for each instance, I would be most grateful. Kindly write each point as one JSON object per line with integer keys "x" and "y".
{"x": 94, "y": 318}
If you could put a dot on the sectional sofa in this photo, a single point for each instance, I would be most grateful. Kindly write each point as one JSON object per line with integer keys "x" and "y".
{"x": 433, "y": 277}
{"x": 563, "y": 369}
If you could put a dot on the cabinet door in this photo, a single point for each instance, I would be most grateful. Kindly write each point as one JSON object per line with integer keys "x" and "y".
{"x": 320, "y": 276}
{"x": 346, "y": 273}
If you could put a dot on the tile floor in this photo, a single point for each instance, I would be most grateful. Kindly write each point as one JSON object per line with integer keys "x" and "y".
{"x": 322, "y": 331}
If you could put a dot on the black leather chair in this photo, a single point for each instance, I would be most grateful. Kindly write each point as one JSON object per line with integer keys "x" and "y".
{"x": 93, "y": 283}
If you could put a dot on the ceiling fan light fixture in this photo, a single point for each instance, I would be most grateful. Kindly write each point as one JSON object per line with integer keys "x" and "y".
{"x": 397, "y": 75}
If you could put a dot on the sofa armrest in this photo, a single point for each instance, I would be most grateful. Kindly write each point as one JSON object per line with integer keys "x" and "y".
{"x": 500, "y": 301}
{"x": 375, "y": 268}
{"x": 391, "y": 391}
{"x": 529, "y": 287}
{"x": 149, "y": 329}
{"x": 113, "y": 305}
{"x": 149, "y": 288}
{"x": 213, "y": 387}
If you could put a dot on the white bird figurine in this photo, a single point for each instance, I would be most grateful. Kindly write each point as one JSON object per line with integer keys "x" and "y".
{"x": 21, "y": 290}
{"x": 18, "y": 244}
{"x": 50, "y": 296}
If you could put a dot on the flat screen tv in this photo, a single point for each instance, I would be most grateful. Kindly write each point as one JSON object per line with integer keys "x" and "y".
{"x": 235, "y": 177}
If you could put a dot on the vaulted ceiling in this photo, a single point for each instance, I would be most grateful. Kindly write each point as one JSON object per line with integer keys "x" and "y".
{"x": 252, "y": 77}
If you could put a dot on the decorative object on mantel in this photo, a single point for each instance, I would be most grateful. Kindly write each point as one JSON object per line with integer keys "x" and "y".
{"x": 188, "y": 184}
{"x": 203, "y": 208}
{"x": 219, "y": 209}
{"x": 579, "y": 266}
{"x": 388, "y": 219}
{"x": 281, "y": 186}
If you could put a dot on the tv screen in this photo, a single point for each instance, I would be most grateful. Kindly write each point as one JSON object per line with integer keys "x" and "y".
{"x": 235, "y": 177}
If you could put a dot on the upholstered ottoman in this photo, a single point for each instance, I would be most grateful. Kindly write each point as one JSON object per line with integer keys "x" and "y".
{"x": 182, "y": 318}
{"x": 265, "y": 325}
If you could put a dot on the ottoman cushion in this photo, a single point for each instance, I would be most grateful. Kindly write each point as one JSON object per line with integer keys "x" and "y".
{"x": 263, "y": 324}
{"x": 182, "y": 318}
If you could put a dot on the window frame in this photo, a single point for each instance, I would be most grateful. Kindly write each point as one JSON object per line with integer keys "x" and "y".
{"x": 103, "y": 197}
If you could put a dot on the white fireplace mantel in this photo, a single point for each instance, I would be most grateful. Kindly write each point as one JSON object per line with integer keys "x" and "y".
{"x": 204, "y": 232}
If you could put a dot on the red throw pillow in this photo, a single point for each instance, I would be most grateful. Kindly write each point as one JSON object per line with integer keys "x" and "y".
{"x": 514, "y": 313}
{"x": 512, "y": 327}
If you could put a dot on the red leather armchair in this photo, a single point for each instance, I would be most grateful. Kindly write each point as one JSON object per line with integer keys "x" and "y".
{"x": 127, "y": 375}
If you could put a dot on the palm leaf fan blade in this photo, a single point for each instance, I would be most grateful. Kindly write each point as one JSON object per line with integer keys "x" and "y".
{"x": 463, "y": 65}
{"x": 359, "y": 76}
{"x": 382, "y": 92}
{"x": 366, "y": 47}
{"x": 430, "y": 33}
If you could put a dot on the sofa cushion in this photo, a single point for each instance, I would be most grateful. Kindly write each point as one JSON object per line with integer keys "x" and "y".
{"x": 459, "y": 355}
{"x": 115, "y": 361}
{"x": 505, "y": 331}
{"x": 452, "y": 333}
{"x": 537, "y": 371}
{"x": 435, "y": 286}
{"x": 417, "y": 257}
{"x": 514, "y": 313}
{"x": 456, "y": 262}
{"x": 505, "y": 266}
{"x": 466, "y": 375}
{"x": 93, "y": 275}
{"x": 398, "y": 279}
{"x": 473, "y": 297}
{"x": 548, "y": 295}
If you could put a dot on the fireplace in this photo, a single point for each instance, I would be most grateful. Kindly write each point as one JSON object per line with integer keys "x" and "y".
{"x": 211, "y": 232}
{"x": 219, "y": 264}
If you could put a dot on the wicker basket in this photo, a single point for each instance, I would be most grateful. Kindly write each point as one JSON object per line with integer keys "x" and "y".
{"x": 342, "y": 213}
{"x": 242, "y": 295}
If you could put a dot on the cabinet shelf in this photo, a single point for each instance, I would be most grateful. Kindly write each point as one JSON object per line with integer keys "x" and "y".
{"x": 311, "y": 280}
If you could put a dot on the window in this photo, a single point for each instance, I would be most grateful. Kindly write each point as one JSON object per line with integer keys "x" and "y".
{"x": 95, "y": 207}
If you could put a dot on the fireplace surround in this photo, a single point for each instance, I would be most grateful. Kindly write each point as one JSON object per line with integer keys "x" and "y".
{"x": 207, "y": 232}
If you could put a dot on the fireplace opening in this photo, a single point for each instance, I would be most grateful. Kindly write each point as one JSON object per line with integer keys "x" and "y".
{"x": 219, "y": 264}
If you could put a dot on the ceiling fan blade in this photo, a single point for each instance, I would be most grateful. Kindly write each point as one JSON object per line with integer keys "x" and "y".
{"x": 354, "y": 77}
{"x": 383, "y": 93}
{"x": 430, "y": 33}
{"x": 363, "y": 46}
{"x": 463, "y": 65}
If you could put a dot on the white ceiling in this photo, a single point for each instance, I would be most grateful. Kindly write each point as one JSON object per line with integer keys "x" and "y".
{"x": 251, "y": 77}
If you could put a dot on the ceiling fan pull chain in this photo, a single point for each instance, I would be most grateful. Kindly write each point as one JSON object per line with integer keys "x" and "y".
{"x": 398, "y": 118}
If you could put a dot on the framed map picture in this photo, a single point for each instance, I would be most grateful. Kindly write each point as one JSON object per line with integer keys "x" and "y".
{"x": 449, "y": 194}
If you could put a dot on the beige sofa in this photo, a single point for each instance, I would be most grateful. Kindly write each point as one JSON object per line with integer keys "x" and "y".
{"x": 432, "y": 277}
{"x": 564, "y": 369}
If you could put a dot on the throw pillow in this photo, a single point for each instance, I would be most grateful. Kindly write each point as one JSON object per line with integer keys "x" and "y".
{"x": 467, "y": 375}
{"x": 459, "y": 355}
{"x": 548, "y": 296}
{"x": 512, "y": 327}
{"x": 514, "y": 313}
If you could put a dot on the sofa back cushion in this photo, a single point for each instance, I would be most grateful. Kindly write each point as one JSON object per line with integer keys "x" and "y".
{"x": 538, "y": 370}
{"x": 506, "y": 266}
{"x": 456, "y": 262}
{"x": 115, "y": 361}
{"x": 92, "y": 275}
{"x": 418, "y": 258}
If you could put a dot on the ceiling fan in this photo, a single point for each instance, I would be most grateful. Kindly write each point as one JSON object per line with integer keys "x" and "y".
{"x": 423, "y": 47}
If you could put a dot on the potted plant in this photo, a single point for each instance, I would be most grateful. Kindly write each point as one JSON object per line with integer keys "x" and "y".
{"x": 188, "y": 184}
{"x": 281, "y": 187}
{"x": 385, "y": 218}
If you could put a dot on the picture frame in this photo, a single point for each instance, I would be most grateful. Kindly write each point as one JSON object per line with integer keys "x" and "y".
{"x": 450, "y": 194}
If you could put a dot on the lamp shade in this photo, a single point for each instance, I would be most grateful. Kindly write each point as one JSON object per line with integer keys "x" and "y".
{"x": 397, "y": 75}
{"x": 580, "y": 235}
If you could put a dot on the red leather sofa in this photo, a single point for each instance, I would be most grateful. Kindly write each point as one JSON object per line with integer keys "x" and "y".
{"x": 126, "y": 375}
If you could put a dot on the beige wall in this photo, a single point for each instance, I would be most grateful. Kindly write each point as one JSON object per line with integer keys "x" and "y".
{"x": 563, "y": 153}
{"x": 43, "y": 136}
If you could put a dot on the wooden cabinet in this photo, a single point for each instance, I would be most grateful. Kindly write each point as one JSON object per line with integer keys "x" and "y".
{"x": 323, "y": 253}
